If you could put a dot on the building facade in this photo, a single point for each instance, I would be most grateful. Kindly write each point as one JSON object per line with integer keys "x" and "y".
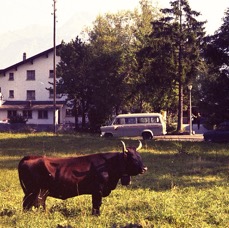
{"x": 24, "y": 91}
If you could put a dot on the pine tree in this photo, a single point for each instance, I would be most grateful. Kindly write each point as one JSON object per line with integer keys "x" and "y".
{"x": 174, "y": 52}
{"x": 215, "y": 93}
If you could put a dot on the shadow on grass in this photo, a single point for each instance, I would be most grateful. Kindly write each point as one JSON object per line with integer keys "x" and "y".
{"x": 9, "y": 163}
{"x": 57, "y": 144}
{"x": 166, "y": 171}
{"x": 169, "y": 164}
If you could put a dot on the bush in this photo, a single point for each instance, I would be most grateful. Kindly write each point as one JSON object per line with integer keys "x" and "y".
{"x": 17, "y": 119}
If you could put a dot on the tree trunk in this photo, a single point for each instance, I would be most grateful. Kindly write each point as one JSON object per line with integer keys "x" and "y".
{"x": 76, "y": 114}
{"x": 180, "y": 105}
{"x": 83, "y": 114}
{"x": 180, "y": 109}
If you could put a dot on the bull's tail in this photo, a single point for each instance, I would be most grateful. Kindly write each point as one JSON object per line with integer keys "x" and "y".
{"x": 24, "y": 173}
{"x": 21, "y": 172}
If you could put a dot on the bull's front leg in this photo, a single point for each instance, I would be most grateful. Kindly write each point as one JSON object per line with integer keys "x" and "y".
{"x": 96, "y": 203}
{"x": 102, "y": 179}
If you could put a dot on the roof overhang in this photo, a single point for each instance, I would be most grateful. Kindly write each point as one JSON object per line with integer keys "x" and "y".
{"x": 31, "y": 105}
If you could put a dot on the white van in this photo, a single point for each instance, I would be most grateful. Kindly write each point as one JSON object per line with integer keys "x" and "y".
{"x": 138, "y": 124}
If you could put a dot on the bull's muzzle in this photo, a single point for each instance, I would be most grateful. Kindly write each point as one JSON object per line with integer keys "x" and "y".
{"x": 144, "y": 169}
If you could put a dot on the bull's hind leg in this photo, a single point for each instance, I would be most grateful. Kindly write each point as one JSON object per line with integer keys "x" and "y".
{"x": 42, "y": 198}
{"x": 29, "y": 201}
{"x": 35, "y": 200}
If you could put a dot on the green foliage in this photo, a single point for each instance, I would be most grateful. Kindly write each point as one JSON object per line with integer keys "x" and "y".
{"x": 142, "y": 61}
{"x": 100, "y": 75}
{"x": 188, "y": 189}
{"x": 215, "y": 95}
{"x": 172, "y": 57}
{"x": 17, "y": 119}
{"x": 74, "y": 73}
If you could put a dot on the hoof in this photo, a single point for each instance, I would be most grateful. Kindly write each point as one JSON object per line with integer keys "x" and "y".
{"x": 95, "y": 212}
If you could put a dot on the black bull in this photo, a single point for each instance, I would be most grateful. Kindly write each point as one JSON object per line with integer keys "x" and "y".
{"x": 95, "y": 174}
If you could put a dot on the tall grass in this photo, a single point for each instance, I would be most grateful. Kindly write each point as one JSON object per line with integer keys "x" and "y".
{"x": 186, "y": 185}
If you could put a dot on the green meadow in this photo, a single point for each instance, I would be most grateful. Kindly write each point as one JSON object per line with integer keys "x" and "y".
{"x": 186, "y": 185}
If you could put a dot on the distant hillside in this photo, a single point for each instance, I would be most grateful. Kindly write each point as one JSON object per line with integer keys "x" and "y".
{"x": 35, "y": 39}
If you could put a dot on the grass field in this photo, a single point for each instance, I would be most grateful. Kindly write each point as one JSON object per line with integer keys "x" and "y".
{"x": 186, "y": 185}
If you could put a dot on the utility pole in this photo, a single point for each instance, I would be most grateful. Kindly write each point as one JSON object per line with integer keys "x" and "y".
{"x": 190, "y": 108}
{"x": 54, "y": 66}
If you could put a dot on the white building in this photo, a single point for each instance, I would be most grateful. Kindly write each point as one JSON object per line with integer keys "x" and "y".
{"x": 23, "y": 91}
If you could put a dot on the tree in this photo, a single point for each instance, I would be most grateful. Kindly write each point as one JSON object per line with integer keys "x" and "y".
{"x": 215, "y": 93}
{"x": 141, "y": 94}
{"x": 100, "y": 76}
{"x": 173, "y": 55}
{"x": 107, "y": 40}
{"x": 121, "y": 35}
{"x": 74, "y": 73}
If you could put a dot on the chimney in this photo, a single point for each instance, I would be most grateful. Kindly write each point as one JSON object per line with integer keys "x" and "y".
{"x": 24, "y": 56}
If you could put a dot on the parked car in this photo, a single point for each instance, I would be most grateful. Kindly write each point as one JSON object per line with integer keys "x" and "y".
{"x": 145, "y": 125}
{"x": 220, "y": 134}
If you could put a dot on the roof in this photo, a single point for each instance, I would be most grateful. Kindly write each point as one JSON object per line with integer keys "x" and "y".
{"x": 30, "y": 105}
{"x": 28, "y": 60}
{"x": 139, "y": 115}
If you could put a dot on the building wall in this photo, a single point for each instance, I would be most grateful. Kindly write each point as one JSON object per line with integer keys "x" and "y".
{"x": 42, "y": 66}
{"x": 20, "y": 84}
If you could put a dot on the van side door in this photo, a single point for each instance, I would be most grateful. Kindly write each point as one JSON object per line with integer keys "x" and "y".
{"x": 129, "y": 128}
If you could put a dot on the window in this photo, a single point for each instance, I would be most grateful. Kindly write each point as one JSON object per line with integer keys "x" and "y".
{"x": 130, "y": 120}
{"x": 11, "y": 94}
{"x": 42, "y": 114}
{"x": 30, "y": 74}
{"x": 27, "y": 114}
{"x": 30, "y": 94}
{"x": 154, "y": 120}
{"x": 142, "y": 120}
{"x": 11, "y": 76}
{"x": 119, "y": 121}
{"x": 11, "y": 113}
{"x": 51, "y": 73}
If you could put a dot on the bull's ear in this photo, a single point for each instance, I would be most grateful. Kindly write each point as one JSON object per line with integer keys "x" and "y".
{"x": 124, "y": 147}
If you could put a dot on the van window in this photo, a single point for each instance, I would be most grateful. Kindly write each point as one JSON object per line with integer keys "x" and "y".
{"x": 130, "y": 120}
{"x": 143, "y": 120}
{"x": 119, "y": 121}
{"x": 154, "y": 119}
{"x": 122, "y": 121}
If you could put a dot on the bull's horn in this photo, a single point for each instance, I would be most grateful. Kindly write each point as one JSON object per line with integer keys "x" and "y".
{"x": 124, "y": 147}
{"x": 140, "y": 146}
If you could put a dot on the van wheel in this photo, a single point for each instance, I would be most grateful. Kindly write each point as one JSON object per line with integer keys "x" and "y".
{"x": 108, "y": 135}
{"x": 147, "y": 136}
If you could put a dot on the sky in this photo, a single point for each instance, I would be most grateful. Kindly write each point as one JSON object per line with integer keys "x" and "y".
{"x": 17, "y": 15}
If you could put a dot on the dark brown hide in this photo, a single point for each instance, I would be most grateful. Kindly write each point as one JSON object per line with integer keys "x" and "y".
{"x": 96, "y": 174}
